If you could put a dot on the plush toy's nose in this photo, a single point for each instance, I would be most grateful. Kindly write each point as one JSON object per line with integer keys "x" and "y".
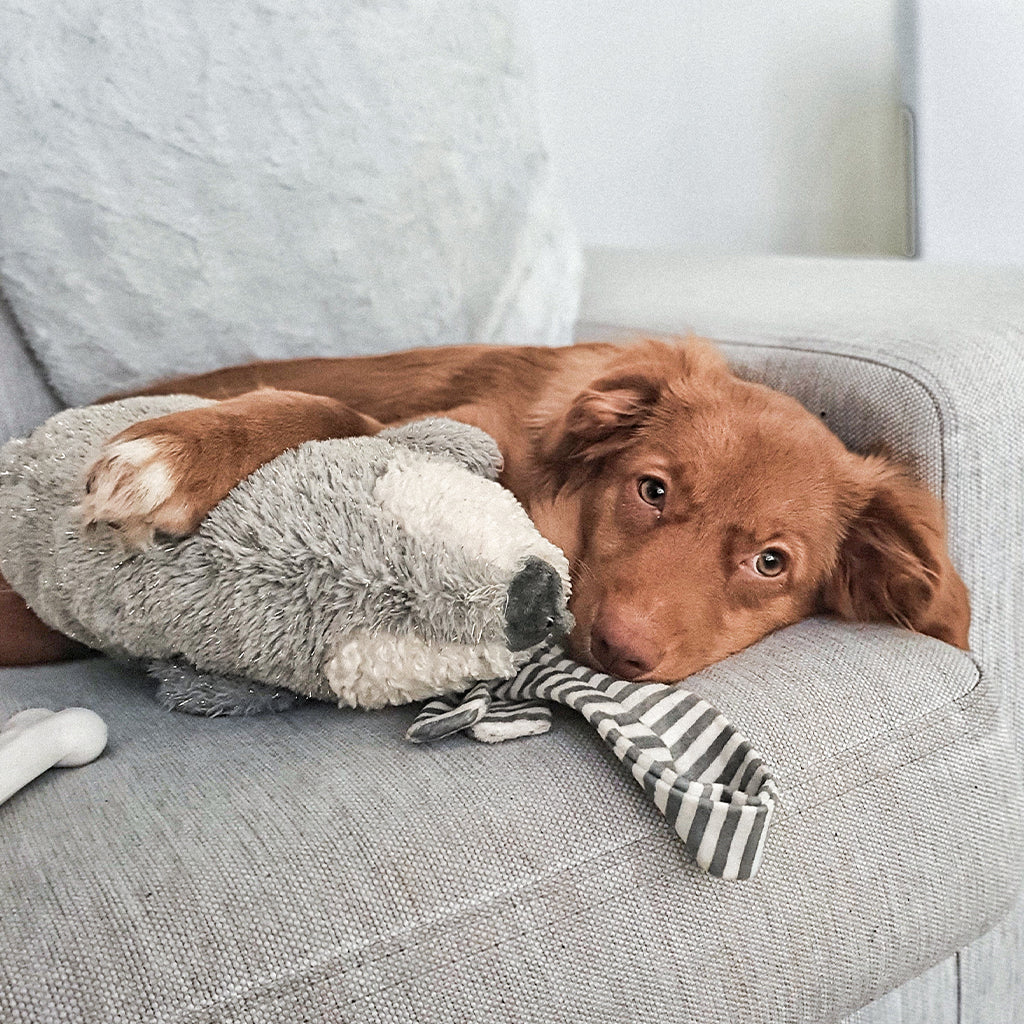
{"x": 535, "y": 603}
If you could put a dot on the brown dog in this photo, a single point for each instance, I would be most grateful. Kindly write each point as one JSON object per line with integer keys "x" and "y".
{"x": 698, "y": 512}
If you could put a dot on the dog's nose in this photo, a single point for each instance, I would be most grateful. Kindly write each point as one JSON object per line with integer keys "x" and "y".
{"x": 622, "y": 645}
{"x": 534, "y": 605}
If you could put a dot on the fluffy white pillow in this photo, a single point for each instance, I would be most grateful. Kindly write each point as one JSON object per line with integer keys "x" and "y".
{"x": 187, "y": 185}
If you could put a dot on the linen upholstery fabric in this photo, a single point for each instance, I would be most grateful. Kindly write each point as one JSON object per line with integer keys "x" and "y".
{"x": 185, "y": 186}
{"x": 316, "y": 866}
{"x": 694, "y": 765}
{"x": 25, "y": 399}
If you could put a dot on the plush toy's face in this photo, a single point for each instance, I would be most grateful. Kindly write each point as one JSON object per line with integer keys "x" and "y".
{"x": 467, "y": 587}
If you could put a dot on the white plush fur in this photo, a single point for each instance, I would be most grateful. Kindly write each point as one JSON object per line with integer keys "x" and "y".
{"x": 440, "y": 504}
{"x": 371, "y": 669}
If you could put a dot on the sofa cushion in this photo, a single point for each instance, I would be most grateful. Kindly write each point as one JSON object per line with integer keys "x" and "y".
{"x": 189, "y": 186}
{"x": 25, "y": 399}
{"x": 315, "y": 866}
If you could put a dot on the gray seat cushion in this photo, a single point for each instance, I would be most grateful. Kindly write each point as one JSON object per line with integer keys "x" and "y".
{"x": 314, "y": 866}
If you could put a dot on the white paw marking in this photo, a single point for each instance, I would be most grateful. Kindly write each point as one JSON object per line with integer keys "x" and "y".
{"x": 141, "y": 472}
{"x": 126, "y": 486}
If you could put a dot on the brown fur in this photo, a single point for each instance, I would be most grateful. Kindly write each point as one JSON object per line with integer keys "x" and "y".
{"x": 662, "y": 476}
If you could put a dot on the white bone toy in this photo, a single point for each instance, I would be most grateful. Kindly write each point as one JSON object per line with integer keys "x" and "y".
{"x": 37, "y": 739}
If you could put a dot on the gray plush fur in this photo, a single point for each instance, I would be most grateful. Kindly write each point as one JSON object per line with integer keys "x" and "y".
{"x": 181, "y": 687}
{"x": 365, "y": 571}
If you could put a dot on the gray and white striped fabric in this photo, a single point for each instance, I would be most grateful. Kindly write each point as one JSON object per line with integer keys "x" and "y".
{"x": 701, "y": 773}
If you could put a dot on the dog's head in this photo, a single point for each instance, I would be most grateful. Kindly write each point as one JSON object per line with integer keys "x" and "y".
{"x": 701, "y": 512}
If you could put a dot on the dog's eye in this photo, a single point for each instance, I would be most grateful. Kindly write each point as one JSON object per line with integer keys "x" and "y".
{"x": 771, "y": 562}
{"x": 652, "y": 490}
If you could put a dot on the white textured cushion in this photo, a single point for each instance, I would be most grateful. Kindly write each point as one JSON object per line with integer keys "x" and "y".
{"x": 184, "y": 186}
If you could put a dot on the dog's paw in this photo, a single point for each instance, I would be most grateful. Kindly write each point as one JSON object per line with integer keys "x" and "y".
{"x": 136, "y": 487}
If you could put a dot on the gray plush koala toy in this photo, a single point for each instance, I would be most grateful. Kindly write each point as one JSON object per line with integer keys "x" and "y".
{"x": 366, "y": 571}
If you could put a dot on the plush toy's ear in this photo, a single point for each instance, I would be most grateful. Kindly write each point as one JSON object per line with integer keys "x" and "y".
{"x": 893, "y": 563}
{"x": 447, "y": 439}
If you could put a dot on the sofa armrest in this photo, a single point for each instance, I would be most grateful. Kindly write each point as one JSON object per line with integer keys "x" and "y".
{"x": 926, "y": 361}
{"x": 25, "y": 398}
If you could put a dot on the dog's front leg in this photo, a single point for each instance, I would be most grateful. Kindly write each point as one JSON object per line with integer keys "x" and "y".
{"x": 164, "y": 475}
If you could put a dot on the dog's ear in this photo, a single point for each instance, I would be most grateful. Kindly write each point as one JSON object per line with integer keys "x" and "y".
{"x": 893, "y": 563}
{"x": 598, "y": 422}
{"x": 605, "y": 412}
{"x": 649, "y": 378}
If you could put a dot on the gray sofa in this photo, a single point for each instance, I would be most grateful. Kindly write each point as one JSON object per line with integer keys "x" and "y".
{"x": 315, "y": 867}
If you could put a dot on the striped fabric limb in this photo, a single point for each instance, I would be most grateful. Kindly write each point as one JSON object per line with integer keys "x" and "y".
{"x": 512, "y": 719}
{"x": 446, "y": 716}
{"x": 481, "y": 714}
{"x": 702, "y": 774}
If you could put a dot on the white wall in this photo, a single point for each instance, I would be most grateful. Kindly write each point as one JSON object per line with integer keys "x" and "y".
{"x": 756, "y": 125}
{"x": 968, "y": 96}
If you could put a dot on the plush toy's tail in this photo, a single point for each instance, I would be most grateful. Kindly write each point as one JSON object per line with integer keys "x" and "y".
{"x": 185, "y": 688}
